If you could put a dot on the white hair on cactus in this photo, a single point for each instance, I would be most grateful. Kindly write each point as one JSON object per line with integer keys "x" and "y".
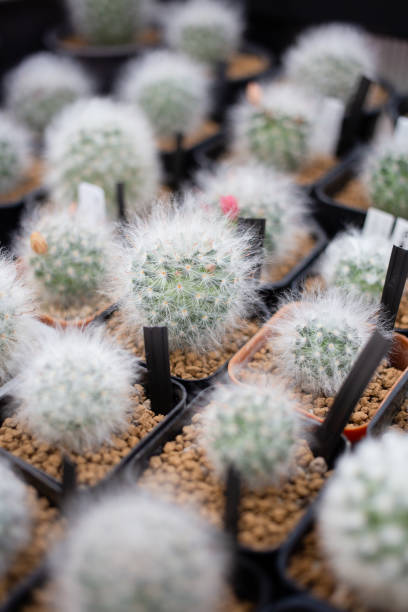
{"x": 207, "y": 30}
{"x": 102, "y": 142}
{"x": 171, "y": 89}
{"x": 15, "y": 153}
{"x": 117, "y": 557}
{"x": 260, "y": 192}
{"x": 42, "y": 85}
{"x": 358, "y": 263}
{"x": 363, "y": 521}
{"x": 253, "y": 429}
{"x": 329, "y": 59}
{"x": 74, "y": 391}
{"x": 15, "y": 516}
{"x": 316, "y": 340}
{"x": 186, "y": 268}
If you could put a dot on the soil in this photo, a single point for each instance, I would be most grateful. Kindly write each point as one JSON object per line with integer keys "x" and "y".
{"x": 183, "y": 474}
{"x": 400, "y": 420}
{"x": 353, "y": 194}
{"x": 315, "y": 169}
{"x": 77, "y": 312}
{"x": 243, "y": 65}
{"x": 303, "y": 245}
{"x": 32, "y": 181}
{"x": 376, "y": 97}
{"x": 402, "y": 316}
{"x": 45, "y": 529}
{"x": 206, "y": 130}
{"x": 91, "y": 466}
{"x": 149, "y": 37}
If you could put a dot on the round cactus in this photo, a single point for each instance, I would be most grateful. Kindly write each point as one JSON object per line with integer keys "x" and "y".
{"x": 171, "y": 89}
{"x": 15, "y": 517}
{"x": 363, "y": 521}
{"x": 357, "y": 263}
{"x": 117, "y": 557}
{"x": 41, "y": 86}
{"x": 74, "y": 392}
{"x": 65, "y": 257}
{"x": 259, "y": 192}
{"x": 15, "y": 153}
{"x": 106, "y": 22}
{"x": 188, "y": 270}
{"x": 102, "y": 142}
{"x": 254, "y": 430}
{"x": 206, "y": 30}
{"x": 329, "y": 60}
{"x": 316, "y": 341}
{"x": 275, "y": 129}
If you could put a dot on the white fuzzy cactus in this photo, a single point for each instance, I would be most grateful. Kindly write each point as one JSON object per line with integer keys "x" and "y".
{"x": 130, "y": 553}
{"x": 316, "y": 340}
{"x": 15, "y": 516}
{"x": 259, "y": 192}
{"x": 65, "y": 257}
{"x": 106, "y": 22}
{"x": 254, "y": 430}
{"x": 41, "y": 86}
{"x": 74, "y": 391}
{"x": 363, "y": 522}
{"x": 275, "y": 125}
{"x": 102, "y": 142}
{"x": 170, "y": 88}
{"x": 357, "y": 263}
{"x": 329, "y": 60}
{"x": 15, "y": 153}
{"x": 186, "y": 269}
{"x": 207, "y": 30}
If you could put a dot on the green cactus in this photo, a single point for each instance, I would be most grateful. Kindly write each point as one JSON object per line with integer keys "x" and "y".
{"x": 388, "y": 183}
{"x": 14, "y": 153}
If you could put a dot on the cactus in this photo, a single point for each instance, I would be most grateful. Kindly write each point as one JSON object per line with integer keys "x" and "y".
{"x": 316, "y": 341}
{"x": 65, "y": 257}
{"x": 106, "y": 22}
{"x": 74, "y": 392}
{"x": 329, "y": 60}
{"x": 15, "y": 152}
{"x": 255, "y": 430}
{"x": 357, "y": 263}
{"x": 207, "y": 30}
{"x": 186, "y": 269}
{"x": 130, "y": 553}
{"x": 363, "y": 522}
{"x": 170, "y": 88}
{"x": 276, "y": 128}
{"x": 259, "y": 192}
{"x": 41, "y": 86}
{"x": 102, "y": 142}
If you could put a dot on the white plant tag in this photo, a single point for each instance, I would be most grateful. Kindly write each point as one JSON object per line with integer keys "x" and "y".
{"x": 91, "y": 202}
{"x": 401, "y": 131}
{"x": 326, "y": 130}
{"x": 400, "y": 233}
{"x": 378, "y": 223}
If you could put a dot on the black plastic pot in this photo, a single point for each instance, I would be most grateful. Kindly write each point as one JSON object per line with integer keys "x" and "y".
{"x": 299, "y": 603}
{"x": 11, "y": 213}
{"x": 398, "y": 106}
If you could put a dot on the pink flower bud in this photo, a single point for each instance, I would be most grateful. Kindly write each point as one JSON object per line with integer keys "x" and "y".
{"x": 254, "y": 93}
{"x": 229, "y": 206}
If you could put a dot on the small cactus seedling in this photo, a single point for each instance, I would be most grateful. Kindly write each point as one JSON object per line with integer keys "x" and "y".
{"x": 363, "y": 522}
{"x": 65, "y": 257}
{"x": 15, "y": 153}
{"x": 41, "y": 86}
{"x": 74, "y": 392}
{"x": 207, "y": 30}
{"x": 261, "y": 192}
{"x": 189, "y": 270}
{"x": 329, "y": 60}
{"x": 317, "y": 340}
{"x": 131, "y": 553}
{"x": 106, "y": 22}
{"x": 15, "y": 517}
{"x": 171, "y": 89}
{"x": 102, "y": 142}
{"x": 357, "y": 263}
{"x": 254, "y": 430}
{"x": 274, "y": 127}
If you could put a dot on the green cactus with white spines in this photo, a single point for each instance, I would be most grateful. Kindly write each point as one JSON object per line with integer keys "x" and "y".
{"x": 15, "y": 153}
{"x": 362, "y": 522}
{"x": 254, "y": 430}
{"x": 106, "y": 22}
{"x": 102, "y": 142}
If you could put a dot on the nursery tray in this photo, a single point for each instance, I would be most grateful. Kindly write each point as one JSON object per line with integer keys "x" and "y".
{"x": 52, "y": 487}
{"x": 395, "y": 396}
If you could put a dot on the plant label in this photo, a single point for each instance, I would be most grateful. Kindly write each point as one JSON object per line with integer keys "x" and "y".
{"x": 91, "y": 202}
{"x": 401, "y": 131}
{"x": 400, "y": 234}
{"x": 378, "y": 223}
{"x": 326, "y": 131}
